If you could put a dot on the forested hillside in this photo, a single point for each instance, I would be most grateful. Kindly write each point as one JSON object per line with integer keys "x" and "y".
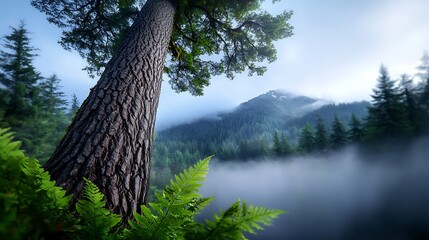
{"x": 255, "y": 120}
{"x": 281, "y": 124}
{"x": 256, "y": 116}
{"x": 269, "y": 124}
{"x": 344, "y": 112}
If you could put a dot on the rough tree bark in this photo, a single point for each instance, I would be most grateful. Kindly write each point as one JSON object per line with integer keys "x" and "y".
{"x": 110, "y": 139}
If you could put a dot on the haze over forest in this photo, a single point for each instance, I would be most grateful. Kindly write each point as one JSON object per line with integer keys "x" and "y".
{"x": 346, "y": 194}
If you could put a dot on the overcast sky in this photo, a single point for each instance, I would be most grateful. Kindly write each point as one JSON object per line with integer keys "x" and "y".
{"x": 335, "y": 53}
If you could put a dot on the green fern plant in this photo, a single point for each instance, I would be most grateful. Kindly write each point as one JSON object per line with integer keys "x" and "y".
{"x": 97, "y": 221}
{"x": 172, "y": 216}
{"x": 237, "y": 219}
{"x": 31, "y": 205}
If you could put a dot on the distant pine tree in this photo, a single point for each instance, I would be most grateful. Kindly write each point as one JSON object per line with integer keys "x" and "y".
{"x": 423, "y": 68}
{"x": 51, "y": 118}
{"x": 281, "y": 146}
{"x": 18, "y": 74}
{"x": 263, "y": 148}
{"x": 339, "y": 134}
{"x": 356, "y": 131}
{"x": 52, "y": 99}
{"x": 286, "y": 149}
{"x": 244, "y": 149}
{"x": 321, "y": 136}
{"x": 306, "y": 139}
{"x": 32, "y": 106}
{"x": 386, "y": 117}
{"x": 413, "y": 113}
{"x": 423, "y": 94}
{"x": 424, "y": 108}
{"x": 277, "y": 147}
{"x": 75, "y": 105}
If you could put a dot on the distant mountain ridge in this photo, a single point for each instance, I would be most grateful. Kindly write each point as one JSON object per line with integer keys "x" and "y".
{"x": 258, "y": 115}
{"x": 275, "y": 110}
{"x": 284, "y": 103}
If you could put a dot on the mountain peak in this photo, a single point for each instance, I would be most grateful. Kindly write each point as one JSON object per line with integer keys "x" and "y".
{"x": 280, "y": 94}
{"x": 281, "y": 91}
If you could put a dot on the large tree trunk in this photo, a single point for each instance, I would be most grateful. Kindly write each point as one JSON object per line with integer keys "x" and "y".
{"x": 110, "y": 139}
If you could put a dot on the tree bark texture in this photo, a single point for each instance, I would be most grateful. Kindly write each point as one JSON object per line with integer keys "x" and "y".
{"x": 110, "y": 140}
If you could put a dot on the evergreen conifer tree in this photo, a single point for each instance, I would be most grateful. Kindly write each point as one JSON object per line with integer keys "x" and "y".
{"x": 423, "y": 68}
{"x": 277, "y": 147}
{"x": 244, "y": 149}
{"x": 423, "y": 94}
{"x": 321, "y": 136}
{"x": 74, "y": 106}
{"x": 30, "y": 100}
{"x": 263, "y": 149}
{"x": 18, "y": 75}
{"x": 286, "y": 149}
{"x": 386, "y": 117}
{"x": 52, "y": 99}
{"x": 356, "y": 131}
{"x": 410, "y": 105}
{"x": 306, "y": 139}
{"x": 423, "y": 103}
{"x": 50, "y": 120}
{"x": 339, "y": 134}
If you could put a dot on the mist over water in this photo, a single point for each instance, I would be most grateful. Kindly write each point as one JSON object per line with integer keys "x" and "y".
{"x": 343, "y": 195}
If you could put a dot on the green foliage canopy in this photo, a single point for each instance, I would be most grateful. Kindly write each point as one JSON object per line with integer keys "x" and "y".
{"x": 238, "y": 32}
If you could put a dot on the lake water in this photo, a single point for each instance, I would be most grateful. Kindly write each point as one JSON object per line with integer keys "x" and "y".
{"x": 344, "y": 195}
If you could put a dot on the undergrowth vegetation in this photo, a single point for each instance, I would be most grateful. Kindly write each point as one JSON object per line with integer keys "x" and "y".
{"x": 32, "y": 207}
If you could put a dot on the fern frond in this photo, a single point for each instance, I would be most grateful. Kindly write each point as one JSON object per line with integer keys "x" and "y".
{"x": 239, "y": 218}
{"x": 175, "y": 207}
{"x": 171, "y": 217}
{"x": 30, "y": 203}
{"x": 255, "y": 218}
{"x": 44, "y": 185}
{"x": 97, "y": 220}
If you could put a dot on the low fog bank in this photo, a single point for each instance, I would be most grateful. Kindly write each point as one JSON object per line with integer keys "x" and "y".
{"x": 344, "y": 195}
